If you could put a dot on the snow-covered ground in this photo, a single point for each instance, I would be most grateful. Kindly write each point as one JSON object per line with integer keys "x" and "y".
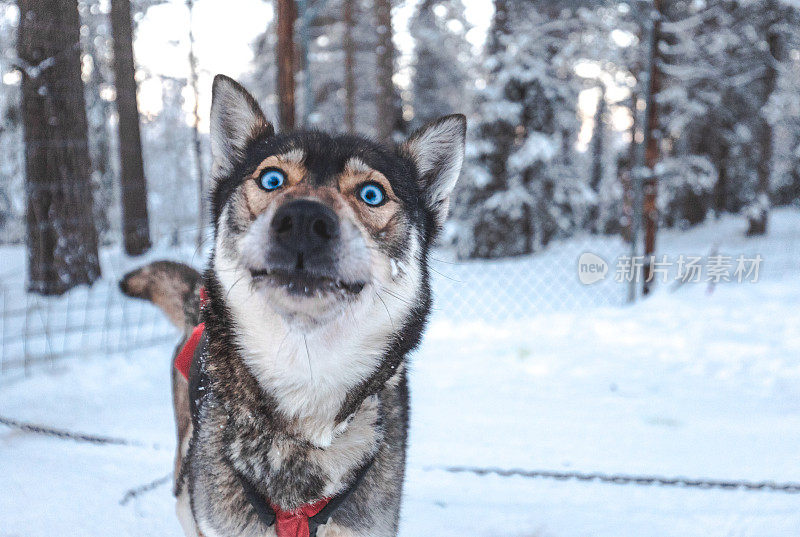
{"x": 688, "y": 382}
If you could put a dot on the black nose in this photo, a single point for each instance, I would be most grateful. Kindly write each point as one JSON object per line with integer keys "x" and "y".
{"x": 305, "y": 227}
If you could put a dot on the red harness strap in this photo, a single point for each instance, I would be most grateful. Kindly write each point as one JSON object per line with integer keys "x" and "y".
{"x": 295, "y": 523}
{"x": 183, "y": 361}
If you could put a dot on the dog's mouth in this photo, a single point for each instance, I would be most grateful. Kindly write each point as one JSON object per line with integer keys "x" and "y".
{"x": 304, "y": 284}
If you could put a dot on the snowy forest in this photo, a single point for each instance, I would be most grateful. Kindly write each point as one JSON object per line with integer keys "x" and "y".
{"x": 545, "y": 401}
{"x": 582, "y": 116}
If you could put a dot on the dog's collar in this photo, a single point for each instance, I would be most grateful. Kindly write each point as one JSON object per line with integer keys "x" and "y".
{"x": 304, "y": 520}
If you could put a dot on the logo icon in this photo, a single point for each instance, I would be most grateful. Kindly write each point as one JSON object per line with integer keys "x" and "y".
{"x": 591, "y": 268}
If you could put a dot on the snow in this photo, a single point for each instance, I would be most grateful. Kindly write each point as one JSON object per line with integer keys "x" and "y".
{"x": 688, "y": 382}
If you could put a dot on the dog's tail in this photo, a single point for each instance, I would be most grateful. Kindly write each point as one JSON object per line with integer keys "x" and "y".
{"x": 173, "y": 287}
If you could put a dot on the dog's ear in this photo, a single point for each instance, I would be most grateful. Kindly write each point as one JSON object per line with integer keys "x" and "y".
{"x": 236, "y": 120}
{"x": 438, "y": 151}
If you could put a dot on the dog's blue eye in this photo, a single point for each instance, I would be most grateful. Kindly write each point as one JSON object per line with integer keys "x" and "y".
{"x": 272, "y": 179}
{"x": 372, "y": 194}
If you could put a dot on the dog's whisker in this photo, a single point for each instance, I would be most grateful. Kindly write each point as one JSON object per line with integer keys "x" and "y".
{"x": 242, "y": 277}
{"x": 377, "y": 294}
{"x": 280, "y": 347}
{"x": 445, "y": 275}
{"x": 396, "y": 296}
{"x": 308, "y": 357}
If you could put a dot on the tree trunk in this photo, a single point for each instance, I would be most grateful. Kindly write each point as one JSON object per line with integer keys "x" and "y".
{"x": 598, "y": 139}
{"x": 197, "y": 149}
{"x": 99, "y": 111}
{"x": 349, "y": 67}
{"x": 625, "y": 173}
{"x": 759, "y": 209}
{"x": 133, "y": 187}
{"x": 385, "y": 71}
{"x": 286, "y": 16}
{"x": 598, "y": 155}
{"x": 652, "y": 156}
{"x": 62, "y": 237}
{"x": 721, "y": 187}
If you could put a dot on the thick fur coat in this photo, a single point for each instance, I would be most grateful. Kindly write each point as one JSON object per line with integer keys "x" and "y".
{"x": 318, "y": 289}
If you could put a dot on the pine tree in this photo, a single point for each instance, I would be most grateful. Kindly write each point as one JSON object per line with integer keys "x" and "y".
{"x": 327, "y": 65}
{"x": 721, "y": 62}
{"x": 133, "y": 186}
{"x": 391, "y": 124}
{"x": 98, "y": 59}
{"x": 62, "y": 238}
{"x": 442, "y": 57}
{"x": 521, "y": 188}
{"x": 783, "y": 112}
{"x": 12, "y": 202}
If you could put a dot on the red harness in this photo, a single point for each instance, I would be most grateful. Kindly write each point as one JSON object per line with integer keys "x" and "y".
{"x": 293, "y": 523}
{"x": 183, "y": 361}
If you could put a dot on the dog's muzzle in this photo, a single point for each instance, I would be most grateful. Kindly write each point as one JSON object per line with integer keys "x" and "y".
{"x": 305, "y": 243}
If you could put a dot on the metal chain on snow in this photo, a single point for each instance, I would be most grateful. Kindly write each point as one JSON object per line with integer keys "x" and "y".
{"x": 70, "y": 435}
{"x": 147, "y": 487}
{"x": 625, "y": 479}
{"x": 91, "y": 439}
{"x": 616, "y": 479}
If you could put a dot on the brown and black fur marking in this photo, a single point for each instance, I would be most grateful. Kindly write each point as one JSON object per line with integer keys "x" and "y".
{"x": 175, "y": 288}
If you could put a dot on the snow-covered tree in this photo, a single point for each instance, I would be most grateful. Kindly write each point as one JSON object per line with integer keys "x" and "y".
{"x": 441, "y": 77}
{"x": 520, "y": 187}
{"x": 12, "y": 199}
{"x": 722, "y": 60}
{"x": 326, "y": 37}
{"x": 62, "y": 237}
{"x": 168, "y": 156}
{"x": 783, "y": 111}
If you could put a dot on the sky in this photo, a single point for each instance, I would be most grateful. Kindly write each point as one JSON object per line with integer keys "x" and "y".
{"x": 223, "y": 36}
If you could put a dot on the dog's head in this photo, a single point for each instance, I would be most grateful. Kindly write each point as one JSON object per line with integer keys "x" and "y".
{"x": 320, "y": 225}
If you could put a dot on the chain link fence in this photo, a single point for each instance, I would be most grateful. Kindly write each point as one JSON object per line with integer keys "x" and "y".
{"x": 527, "y": 286}
{"x": 96, "y": 320}
{"x": 37, "y": 330}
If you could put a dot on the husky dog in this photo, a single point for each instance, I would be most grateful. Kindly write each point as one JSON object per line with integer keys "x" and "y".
{"x": 316, "y": 292}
